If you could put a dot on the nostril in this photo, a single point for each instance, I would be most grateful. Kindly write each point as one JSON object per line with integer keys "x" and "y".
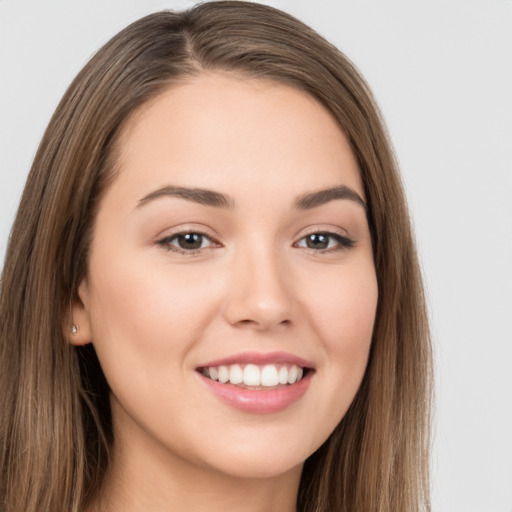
{"x": 262, "y": 324}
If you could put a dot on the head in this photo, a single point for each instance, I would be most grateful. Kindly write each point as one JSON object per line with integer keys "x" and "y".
{"x": 375, "y": 457}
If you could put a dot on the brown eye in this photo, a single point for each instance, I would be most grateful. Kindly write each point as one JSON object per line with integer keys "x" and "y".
{"x": 187, "y": 242}
{"x": 325, "y": 242}
{"x": 317, "y": 241}
{"x": 190, "y": 241}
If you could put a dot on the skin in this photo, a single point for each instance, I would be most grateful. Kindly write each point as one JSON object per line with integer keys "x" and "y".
{"x": 155, "y": 312}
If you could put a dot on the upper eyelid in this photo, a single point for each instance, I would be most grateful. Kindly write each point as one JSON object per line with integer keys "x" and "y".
{"x": 332, "y": 230}
{"x": 173, "y": 232}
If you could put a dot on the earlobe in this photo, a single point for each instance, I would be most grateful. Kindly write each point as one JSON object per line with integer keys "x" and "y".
{"x": 77, "y": 328}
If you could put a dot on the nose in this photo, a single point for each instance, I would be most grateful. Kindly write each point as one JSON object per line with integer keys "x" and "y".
{"x": 260, "y": 292}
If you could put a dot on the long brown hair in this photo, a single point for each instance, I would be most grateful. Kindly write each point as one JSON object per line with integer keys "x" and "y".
{"x": 55, "y": 425}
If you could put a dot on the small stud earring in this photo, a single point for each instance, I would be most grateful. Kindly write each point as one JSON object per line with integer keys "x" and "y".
{"x": 74, "y": 329}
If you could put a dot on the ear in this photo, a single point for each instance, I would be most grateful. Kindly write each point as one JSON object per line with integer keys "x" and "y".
{"x": 77, "y": 327}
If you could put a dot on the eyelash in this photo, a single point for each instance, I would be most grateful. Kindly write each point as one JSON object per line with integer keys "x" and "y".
{"x": 342, "y": 242}
{"x": 166, "y": 242}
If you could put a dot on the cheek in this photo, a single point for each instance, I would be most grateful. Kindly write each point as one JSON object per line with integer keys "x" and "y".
{"x": 343, "y": 313}
{"x": 147, "y": 312}
{"x": 344, "y": 307}
{"x": 145, "y": 321}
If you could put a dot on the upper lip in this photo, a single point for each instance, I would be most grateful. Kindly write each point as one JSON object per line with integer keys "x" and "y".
{"x": 259, "y": 358}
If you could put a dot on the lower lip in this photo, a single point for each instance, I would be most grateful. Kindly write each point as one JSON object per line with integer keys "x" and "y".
{"x": 256, "y": 400}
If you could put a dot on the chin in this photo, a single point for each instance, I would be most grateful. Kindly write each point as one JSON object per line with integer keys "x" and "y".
{"x": 259, "y": 467}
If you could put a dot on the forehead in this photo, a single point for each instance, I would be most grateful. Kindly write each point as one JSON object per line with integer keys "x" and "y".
{"x": 218, "y": 130}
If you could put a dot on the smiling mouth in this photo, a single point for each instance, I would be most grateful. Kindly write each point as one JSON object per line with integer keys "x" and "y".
{"x": 258, "y": 383}
{"x": 253, "y": 376}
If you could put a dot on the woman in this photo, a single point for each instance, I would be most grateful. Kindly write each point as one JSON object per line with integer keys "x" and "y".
{"x": 211, "y": 296}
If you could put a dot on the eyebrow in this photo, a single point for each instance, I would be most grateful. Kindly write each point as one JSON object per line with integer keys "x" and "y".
{"x": 197, "y": 195}
{"x": 208, "y": 197}
{"x": 320, "y": 197}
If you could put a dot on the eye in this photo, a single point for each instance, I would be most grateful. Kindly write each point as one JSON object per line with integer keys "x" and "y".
{"x": 325, "y": 241}
{"x": 187, "y": 242}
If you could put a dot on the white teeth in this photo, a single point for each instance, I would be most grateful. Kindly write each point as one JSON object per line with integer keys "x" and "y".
{"x": 223, "y": 374}
{"x": 292, "y": 375}
{"x": 236, "y": 375}
{"x": 270, "y": 375}
{"x": 252, "y": 375}
{"x": 283, "y": 375}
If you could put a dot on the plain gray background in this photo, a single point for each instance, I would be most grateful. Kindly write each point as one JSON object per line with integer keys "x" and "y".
{"x": 441, "y": 70}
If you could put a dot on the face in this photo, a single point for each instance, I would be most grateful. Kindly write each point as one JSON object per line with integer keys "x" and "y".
{"x": 231, "y": 289}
